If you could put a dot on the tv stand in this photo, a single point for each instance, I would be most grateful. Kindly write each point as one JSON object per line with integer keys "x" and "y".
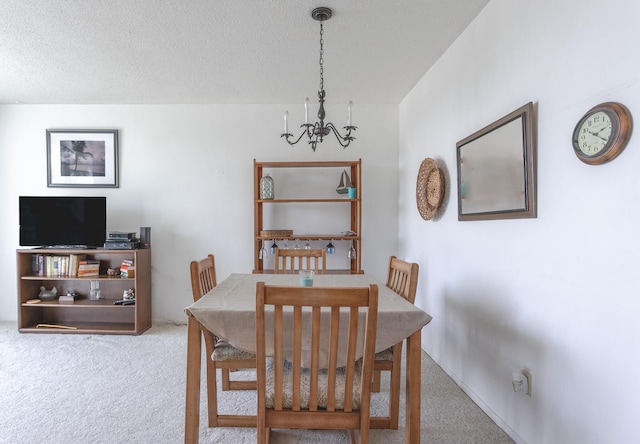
{"x": 84, "y": 315}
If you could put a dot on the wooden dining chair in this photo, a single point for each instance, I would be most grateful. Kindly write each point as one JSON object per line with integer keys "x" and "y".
{"x": 402, "y": 278}
{"x": 327, "y": 393}
{"x": 294, "y": 260}
{"x": 220, "y": 354}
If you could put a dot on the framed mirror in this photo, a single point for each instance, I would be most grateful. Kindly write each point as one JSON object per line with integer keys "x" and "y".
{"x": 497, "y": 169}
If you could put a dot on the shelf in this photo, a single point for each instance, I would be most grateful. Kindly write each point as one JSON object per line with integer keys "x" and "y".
{"x": 75, "y": 278}
{"x": 313, "y": 237}
{"x": 124, "y": 328}
{"x": 319, "y": 200}
{"x": 80, "y": 303}
{"x": 309, "y": 164}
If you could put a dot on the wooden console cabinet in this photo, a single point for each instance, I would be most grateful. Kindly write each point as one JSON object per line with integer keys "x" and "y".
{"x": 83, "y": 315}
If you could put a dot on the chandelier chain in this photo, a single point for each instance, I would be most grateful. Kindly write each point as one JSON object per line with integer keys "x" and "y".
{"x": 321, "y": 58}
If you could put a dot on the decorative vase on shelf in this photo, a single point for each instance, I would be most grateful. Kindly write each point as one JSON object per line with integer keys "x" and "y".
{"x": 266, "y": 187}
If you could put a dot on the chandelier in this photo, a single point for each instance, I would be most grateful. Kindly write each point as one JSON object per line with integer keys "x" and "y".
{"x": 317, "y": 131}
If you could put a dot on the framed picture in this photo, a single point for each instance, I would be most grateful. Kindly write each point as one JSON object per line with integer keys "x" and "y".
{"x": 82, "y": 158}
{"x": 497, "y": 169}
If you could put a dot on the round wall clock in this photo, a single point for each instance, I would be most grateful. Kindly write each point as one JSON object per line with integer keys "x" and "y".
{"x": 429, "y": 189}
{"x": 602, "y": 133}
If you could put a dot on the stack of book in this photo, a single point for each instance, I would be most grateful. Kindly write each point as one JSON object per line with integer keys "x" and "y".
{"x": 127, "y": 268}
{"x": 50, "y": 265}
{"x": 88, "y": 268}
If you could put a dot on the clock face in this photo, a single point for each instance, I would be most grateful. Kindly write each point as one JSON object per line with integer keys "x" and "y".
{"x": 594, "y": 133}
{"x": 602, "y": 133}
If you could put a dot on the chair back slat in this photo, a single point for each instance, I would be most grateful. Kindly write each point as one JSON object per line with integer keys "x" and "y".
{"x": 333, "y": 358}
{"x": 278, "y": 356}
{"x": 293, "y": 260}
{"x": 351, "y": 357}
{"x": 203, "y": 276}
{"x": 403, "y": 278}
{"x": 297, "y": 357}
{"x": 315, "y": 352}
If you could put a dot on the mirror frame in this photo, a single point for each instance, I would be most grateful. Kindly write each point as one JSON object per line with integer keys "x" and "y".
{"x": 501, "y": 144}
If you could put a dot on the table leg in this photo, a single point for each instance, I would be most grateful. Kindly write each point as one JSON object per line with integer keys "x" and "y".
{"x": 194, "y": 356}
{"x": 413, "y": 389}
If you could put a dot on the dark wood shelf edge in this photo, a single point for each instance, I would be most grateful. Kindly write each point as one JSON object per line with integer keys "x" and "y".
{"x": 80, "y": 304}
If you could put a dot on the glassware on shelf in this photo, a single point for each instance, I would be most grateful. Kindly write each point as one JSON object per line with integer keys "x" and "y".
{"x": 297, "y": 247}
{"x": 94, "y": 292}
{"x": 307, "y": 246}
{"x": 330, "y": 248}
{"x": 263, "y": 252}
{"x": 273, "y": 247}
{"x": 352, "y": 252}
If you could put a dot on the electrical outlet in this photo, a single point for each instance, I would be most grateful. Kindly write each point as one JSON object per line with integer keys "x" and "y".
{"x": 527, "y": 374}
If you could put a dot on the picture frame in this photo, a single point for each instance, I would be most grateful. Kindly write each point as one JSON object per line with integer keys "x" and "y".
{"x": 82, "y": 158}
{"x": 497, "y": 169}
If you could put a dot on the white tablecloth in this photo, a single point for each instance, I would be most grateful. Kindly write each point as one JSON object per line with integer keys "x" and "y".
{"x": 228, "y": 310}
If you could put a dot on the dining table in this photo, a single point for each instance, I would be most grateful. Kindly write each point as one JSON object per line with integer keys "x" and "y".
{"x": 228, "y": 311}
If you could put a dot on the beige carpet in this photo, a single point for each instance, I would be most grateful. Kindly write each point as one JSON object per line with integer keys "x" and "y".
{"x": 122, "y": 389}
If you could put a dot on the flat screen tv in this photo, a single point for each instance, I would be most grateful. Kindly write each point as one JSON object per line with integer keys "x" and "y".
{"x": 63, "y": 221}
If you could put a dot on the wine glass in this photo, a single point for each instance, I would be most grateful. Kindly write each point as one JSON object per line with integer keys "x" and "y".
{"x": 330, "y": 248}
{"x": 352, "y": 252}
{"x": 297, "y": 247}
{"x": 273, "y": 247}
{"x": 263, "y": 252}
{"x": 307, "y": 246}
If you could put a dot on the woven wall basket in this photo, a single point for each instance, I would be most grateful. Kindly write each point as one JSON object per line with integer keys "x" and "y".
{"x": 429, "y": 189}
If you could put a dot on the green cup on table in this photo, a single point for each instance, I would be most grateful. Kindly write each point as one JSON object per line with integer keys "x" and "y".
{"x": 306, "y": 278}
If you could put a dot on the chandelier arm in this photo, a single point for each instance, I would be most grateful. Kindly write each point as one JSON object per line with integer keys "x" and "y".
{"x": 344, "y": 141}
{"x": 288, "y": 135}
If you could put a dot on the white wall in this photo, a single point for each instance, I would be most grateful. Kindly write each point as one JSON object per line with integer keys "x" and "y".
{"x": 559, "y": 293}
{"x": 187, "y": 172}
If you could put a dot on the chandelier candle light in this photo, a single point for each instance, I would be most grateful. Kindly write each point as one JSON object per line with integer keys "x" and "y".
{"x": 318, "y": 130}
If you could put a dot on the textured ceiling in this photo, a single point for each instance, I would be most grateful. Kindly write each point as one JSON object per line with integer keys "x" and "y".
{"x": 220, "y": 51}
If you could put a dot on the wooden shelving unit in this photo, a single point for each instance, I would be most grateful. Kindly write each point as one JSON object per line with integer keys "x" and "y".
{"x": 83, "y": 315}
{"x": 354, "y": 222}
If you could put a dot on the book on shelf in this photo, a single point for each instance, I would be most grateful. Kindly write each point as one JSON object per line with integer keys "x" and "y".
{"x": 74, "y": 262}
{"x": 55, "y": 266}
{"x": 127, "y": 268}
{"x": 88, "y": 267}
